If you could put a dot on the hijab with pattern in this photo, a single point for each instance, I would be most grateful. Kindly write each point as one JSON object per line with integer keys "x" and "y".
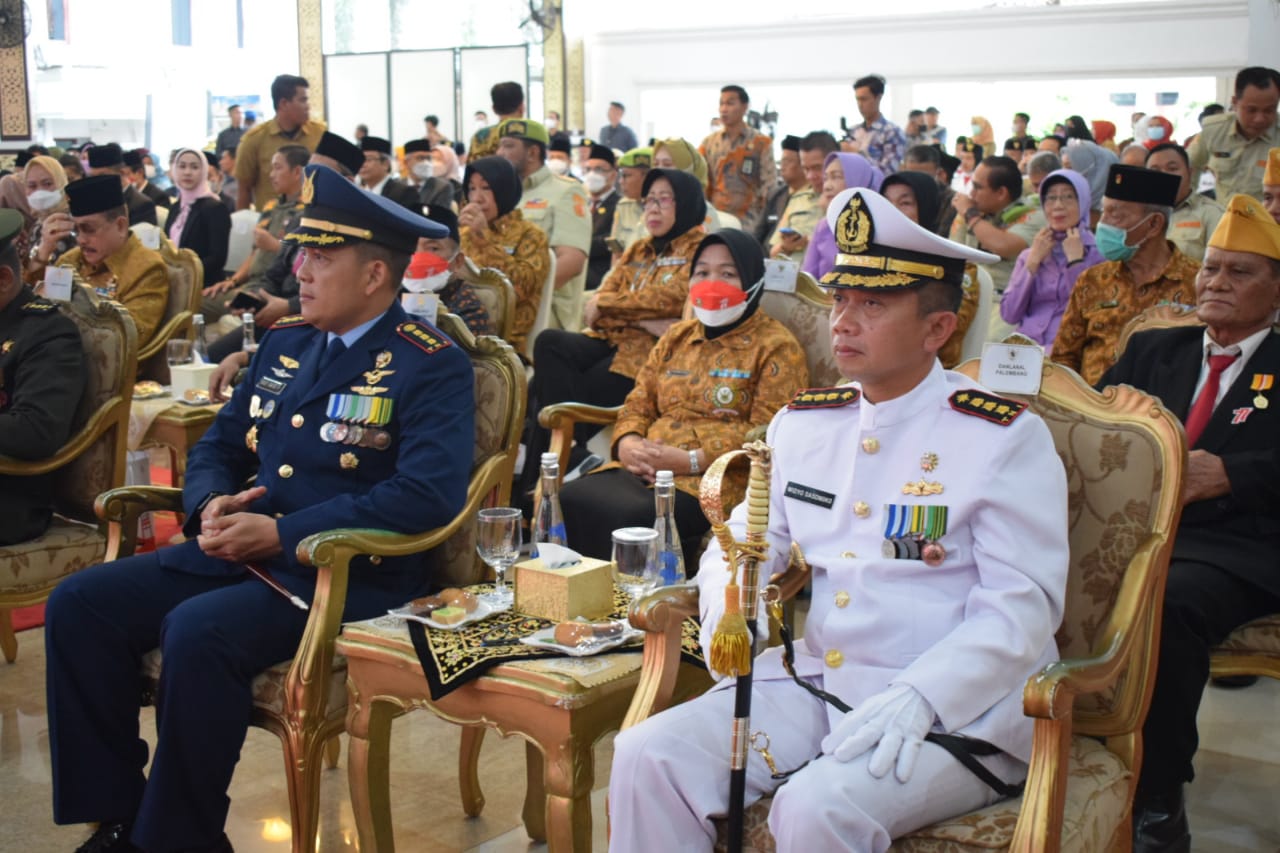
{"x": 501, "y": 177}
{"x": 748, "y": 257}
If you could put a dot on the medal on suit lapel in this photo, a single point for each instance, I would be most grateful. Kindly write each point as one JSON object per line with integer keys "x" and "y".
{"x": 1262, "y": 382}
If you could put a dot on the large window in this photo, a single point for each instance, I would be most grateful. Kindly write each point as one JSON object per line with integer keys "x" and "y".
{"x": 58, "y": 20}
{"x": 181, "y": 22}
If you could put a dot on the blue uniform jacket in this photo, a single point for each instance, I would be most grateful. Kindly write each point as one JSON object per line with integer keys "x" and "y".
{"x": 275, "y": 425}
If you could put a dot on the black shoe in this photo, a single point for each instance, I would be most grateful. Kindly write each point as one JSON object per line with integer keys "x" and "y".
{"x": 1235, "y": 682}
{"x": 1160, "y": 823}
{"x": 109, "y": 838}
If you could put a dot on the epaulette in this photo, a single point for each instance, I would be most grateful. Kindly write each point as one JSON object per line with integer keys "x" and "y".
{"x": 989, "y": 407}
{"x": 289, "y": 321}
{"x": 39, "y": 306}
{"x": 423, "y": 337}
{"x": 824, "y": 398}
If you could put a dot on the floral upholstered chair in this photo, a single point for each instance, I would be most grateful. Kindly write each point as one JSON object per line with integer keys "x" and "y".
{"x": 1124, "y": 455}
{"x": 496, "y": 294}
{"x": 304, "y": 700}
{"x": 91, "y": 462}
{"x": 186, "y": 282}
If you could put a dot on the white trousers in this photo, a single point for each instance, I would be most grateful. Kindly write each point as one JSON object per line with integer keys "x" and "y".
{"x": 670, "y": 777}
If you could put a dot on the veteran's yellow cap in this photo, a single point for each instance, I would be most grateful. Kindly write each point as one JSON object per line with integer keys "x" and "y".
{"x": 1272, "y": 174}
{"x": 1247, "y": 227}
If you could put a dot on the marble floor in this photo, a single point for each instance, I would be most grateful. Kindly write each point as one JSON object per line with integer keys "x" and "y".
{"x": 1234, "y": 804}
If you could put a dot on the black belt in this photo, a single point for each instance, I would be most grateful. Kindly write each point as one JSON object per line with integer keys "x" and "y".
{"x": 964, "y": 749}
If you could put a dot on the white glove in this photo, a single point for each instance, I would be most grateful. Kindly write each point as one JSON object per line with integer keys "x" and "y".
{"x": 897, "y": 719}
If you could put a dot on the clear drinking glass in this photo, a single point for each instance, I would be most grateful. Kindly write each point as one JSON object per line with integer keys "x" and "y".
{"x": 498, "y": 543}
{"x": 178, "y": 351}
{"x": 635, "y": 560}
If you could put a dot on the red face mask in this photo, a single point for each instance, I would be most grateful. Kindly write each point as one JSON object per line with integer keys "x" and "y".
{"x": 425, "y": 264}
{"x": 715, "y": 295}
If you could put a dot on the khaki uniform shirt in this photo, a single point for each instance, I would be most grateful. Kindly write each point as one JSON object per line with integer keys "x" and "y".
{"x": 802, "y": 214}
{"x": 279, "y": 218}
{"x": 519, "y": 250}
{"x": 1237, "y": 163}
{"x": 740, "y": 173}
{"x": 628, "y": 223}
{"x": 561, "y": 208}
{"x": 643, "y": 285}
{"x": 253, "y": 157}
{"x": 134, "y": 276}
{"x": 1020, "y": 218}
{"x": 1105, "y": 298}
{"x": 700, "y": 394}
{"x": 1193, "y": 223}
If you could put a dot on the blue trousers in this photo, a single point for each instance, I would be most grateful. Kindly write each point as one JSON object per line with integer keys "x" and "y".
{"x": 216, "y": 634}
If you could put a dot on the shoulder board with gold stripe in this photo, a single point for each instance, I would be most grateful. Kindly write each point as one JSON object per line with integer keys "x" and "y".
{"x": 289, "y": 321}
{"x": 989, "y": 407}
{"x": 824, "y": 398}
{"x": 40, "y": 306}
{"x": 423, "y": 337}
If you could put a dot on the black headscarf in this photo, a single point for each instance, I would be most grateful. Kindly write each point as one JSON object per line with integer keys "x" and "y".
{"x": 691, "y": 204}
{"x": 1077, "y": 129}
{"x": 501, "y": 177}
{"x": 925, "y": 188}
{"x": 748, "y": 257}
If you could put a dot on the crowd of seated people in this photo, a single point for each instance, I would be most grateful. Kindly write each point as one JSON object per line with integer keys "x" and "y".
{"x": 1080, "y": 233}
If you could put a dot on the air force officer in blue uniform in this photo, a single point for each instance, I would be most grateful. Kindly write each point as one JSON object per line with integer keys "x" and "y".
{"x": 352, "y": 415}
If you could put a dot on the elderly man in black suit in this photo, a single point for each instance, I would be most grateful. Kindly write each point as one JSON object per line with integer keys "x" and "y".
{"x": 1218, "y": 378}
{"x": 375, "y": 175}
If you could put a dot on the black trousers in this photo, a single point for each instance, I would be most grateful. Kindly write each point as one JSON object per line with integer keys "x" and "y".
{"x": 1202, "y": 605}
{"x": 598, "y": 504}
{"x": 569, "y": 367}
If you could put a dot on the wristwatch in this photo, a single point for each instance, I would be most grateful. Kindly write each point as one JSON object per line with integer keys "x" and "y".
{"x": 694, "y": 467}
{"x": 971, "y": 216}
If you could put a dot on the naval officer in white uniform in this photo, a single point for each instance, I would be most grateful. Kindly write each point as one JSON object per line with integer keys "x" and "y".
{"x": 934, "y": 514}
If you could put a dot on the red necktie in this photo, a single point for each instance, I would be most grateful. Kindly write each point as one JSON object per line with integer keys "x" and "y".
{"x": 1198, "y": 417}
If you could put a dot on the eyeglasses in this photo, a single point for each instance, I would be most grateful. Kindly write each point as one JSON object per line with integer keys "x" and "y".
{"x": 1065, "y": 198}
{"x": 662, "y": 201}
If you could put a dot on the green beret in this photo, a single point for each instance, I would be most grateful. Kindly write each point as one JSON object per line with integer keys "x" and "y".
{"x": 523, "y": 128}
{"x": 637, "y": 158}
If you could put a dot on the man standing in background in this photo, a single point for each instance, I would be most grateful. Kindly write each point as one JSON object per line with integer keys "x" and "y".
{"x": 740, "y": 167}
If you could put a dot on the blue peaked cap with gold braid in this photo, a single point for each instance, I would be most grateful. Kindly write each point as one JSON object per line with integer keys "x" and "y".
{"x": 338, "y": 213}
{"x": 879, "y": 247}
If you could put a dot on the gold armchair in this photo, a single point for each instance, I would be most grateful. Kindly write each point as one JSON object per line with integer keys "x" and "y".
{"x": 1124, "y": 457}
{"x": 186, "y": 282}
{"x": 91, "y": 462}
{"x": 495, "y": 292}
{"x": 304, "y": 700}
{"x": 1252, "y": 649}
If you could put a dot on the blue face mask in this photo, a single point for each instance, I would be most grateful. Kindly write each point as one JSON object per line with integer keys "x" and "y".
{"x": 1155, "y": 132}
{"x": 1112, "y": 241}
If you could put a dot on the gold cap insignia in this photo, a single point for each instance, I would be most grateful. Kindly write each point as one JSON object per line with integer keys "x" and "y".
{"x": 854, "y": 227}
{"x": 308, "y": 189}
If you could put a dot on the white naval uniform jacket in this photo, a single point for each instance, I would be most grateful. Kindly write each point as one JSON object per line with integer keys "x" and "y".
{"x": 968, "y": 633}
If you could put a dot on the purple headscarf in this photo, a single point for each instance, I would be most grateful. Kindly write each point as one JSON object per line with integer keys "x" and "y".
{"x": 1034, "y": 302}
{"x": 858, "y": 173}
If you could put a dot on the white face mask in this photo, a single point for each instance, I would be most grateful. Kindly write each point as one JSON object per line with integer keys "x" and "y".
{"x": 430, "y": 284}
{"x": 423, "y": 170}
{"x": 558, "y": 167}
{"x": 44, "y": 199}
{"x": 594, "y": 182}
{"x": 149, "y": 171}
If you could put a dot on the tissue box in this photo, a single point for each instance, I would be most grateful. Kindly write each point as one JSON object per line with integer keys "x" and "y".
{"x": 560, "y": 595}
{"x": 186, "y": 376}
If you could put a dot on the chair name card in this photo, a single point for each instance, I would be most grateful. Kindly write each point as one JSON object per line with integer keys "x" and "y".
{"x": 57, "y": 283}
{"x": 780, "y": 275}
{"x": 423, "y": 305}
{"x": 1011, "y": 368}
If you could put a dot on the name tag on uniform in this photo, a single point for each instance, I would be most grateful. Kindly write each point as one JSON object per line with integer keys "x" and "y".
{"x": 672, "y": 262}
{"x": 810, "y": 495}
{"x": 57, "y": 283}
{"x": 780, "y": 275}
{"x": 1192, "y": 224}
{"x": 1011, "y": 368}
